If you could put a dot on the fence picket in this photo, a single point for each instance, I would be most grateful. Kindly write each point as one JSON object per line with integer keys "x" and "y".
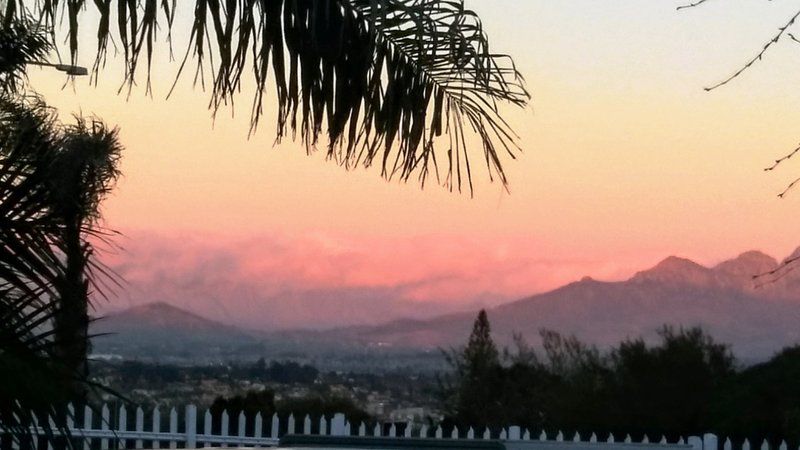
{"x": 577, "y": 437}
{"x": 122, "y": 426}
{"x": 526, "y": 436}
{"x": 560, "y": 436}
{"x": 104, "y": 415}
{"x": 276, "y": 426}
{"x": 290, "y": 428}
{"x": 207, "y": 427}
{"x": 224, "y": 425}
{"x": 87, "y": 425}
{"x": 307, "y": 425}
{"x": 593, "y": 438}
{"x": 362, "y": 429}
{"x": 323, "y": 426}
{"x": 337, "y": 425}
{"x": 782, "y": 446}
{"x": 765, "y": 445}
{"x": 258, "y": 428}
{"x": 543, "y": 436}
{"x": 646, "y": 440}
{"x": 454, "y": 433}
{"x": 377, "y": 430}
{"x": 628, "y": 439}
{"x": 190, "y": 422}
{"x": 610, "y": 439}
{"x": 746, "y": 444}
{"x": 156, "y": 426}
{"x": 503, "y": 434}
{"x": 139, "y": 425}
{"x": 471, "y": 433}
{"x": 487, "y": 433}
{"x": 407, "y": 431}
{"x": 663, "y": 440}
{"x": 392, "y": 431}
{"x": 70, "y": 416}
{"x": 52, "y": 424}
{"x": 173, "y": 426}
{"x": 242, "y": 424}
{"x": 423, "y": 431}
{"x": 727, "y": 445}
{"x": 438, "y": 433}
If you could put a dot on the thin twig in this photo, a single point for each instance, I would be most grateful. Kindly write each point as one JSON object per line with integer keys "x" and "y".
{"x": 779, "y": 272}
{"x": 780, "y": 160}
{"x": 691, "y": 5}
{"x": 788, "y": 188}
{"x": 760, "y": 54}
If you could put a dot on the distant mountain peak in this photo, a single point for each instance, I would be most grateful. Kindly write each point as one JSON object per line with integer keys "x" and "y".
{"x": 748, "y": 264}
{"x": 163, "y": 315}
{"x": 674, "y": 269}
{"x": 677, "y": 263}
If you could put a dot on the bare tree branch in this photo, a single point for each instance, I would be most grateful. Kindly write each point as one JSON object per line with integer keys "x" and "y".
{"x": 760, "y": 54}
{"x": 691, "y": 5}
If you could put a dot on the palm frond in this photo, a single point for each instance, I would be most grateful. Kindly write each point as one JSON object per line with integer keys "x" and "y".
{"x": 21, "y": 41}
{"x": 52, "y": 180}
{"x": 384, "y": 79}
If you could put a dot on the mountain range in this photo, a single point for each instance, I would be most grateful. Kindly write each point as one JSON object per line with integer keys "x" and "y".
{"x": 757, "y": 316}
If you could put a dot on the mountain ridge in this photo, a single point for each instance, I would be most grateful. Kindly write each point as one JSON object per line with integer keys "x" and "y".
{"x": 723, "y": 298}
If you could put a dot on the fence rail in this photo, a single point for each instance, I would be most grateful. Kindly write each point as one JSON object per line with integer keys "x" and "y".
{"x": 192, "y": 430}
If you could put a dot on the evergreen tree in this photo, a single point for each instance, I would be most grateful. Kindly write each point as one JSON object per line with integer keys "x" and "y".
{"x": 481, "y": 353}
{"x": 475, "y": 397}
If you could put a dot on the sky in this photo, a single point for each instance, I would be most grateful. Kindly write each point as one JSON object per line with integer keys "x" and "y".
{"x": 626, "y": 160}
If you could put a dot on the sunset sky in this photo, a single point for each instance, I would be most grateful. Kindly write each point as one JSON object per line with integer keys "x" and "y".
{"x": 626, "y": 160}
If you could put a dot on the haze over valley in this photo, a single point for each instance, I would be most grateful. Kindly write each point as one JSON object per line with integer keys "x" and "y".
{"x": 757, "y": 316}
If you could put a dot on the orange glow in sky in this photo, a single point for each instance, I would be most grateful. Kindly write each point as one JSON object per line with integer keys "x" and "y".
{"x": 626, "y": 160}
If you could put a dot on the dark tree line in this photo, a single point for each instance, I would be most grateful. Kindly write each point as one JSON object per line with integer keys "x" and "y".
{"x": 686, "y": 384}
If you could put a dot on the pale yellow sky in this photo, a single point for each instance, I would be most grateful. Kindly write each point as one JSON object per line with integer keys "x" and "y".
{"x": 626, "y": 159}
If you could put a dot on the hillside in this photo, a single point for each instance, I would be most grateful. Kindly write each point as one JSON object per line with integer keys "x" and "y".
{"x": 723, "y": 299}
{"x": 757, "y": 319}
{"x": 159, "y": 329}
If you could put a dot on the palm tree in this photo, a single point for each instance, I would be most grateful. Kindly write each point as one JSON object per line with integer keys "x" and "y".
{"x": 52, "y": 180}
{"x": 28, "y": 265}
{"x": 21, "y": 41}
{"x": 395, "y": 83}
{"x": 82, "y": 173}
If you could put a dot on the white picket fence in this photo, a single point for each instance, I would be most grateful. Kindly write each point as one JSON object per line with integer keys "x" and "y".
{"x": 118, "y": 432}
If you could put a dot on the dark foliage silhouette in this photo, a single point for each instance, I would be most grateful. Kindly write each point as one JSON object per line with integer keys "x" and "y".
{"x": 52, "y": 179}
{"x": 686, "y": 384}
{"x": 385, "y": 79}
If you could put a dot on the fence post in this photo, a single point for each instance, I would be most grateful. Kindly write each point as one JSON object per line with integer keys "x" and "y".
{"x": 122, "y": 426}
{"x": 191, "y": 426}
{"x": 696, "y": 442}
{"x": 514, "y": 433}
{"x": 104, "y": 426}
{"x": 710, "y": 441}
{"x": 88, "y": 425}
{"x": 337, "y": 425}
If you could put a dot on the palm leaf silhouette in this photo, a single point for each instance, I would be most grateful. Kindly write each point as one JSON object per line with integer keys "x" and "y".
{"x": 383, "y": 78}
{"x": 52, "y": 180}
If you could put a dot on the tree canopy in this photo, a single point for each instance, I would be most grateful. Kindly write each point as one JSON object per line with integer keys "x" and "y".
{"x": 401, "y": 84}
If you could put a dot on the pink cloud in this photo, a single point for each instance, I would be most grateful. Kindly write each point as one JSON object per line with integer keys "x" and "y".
{"x": 324, "y": 280}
